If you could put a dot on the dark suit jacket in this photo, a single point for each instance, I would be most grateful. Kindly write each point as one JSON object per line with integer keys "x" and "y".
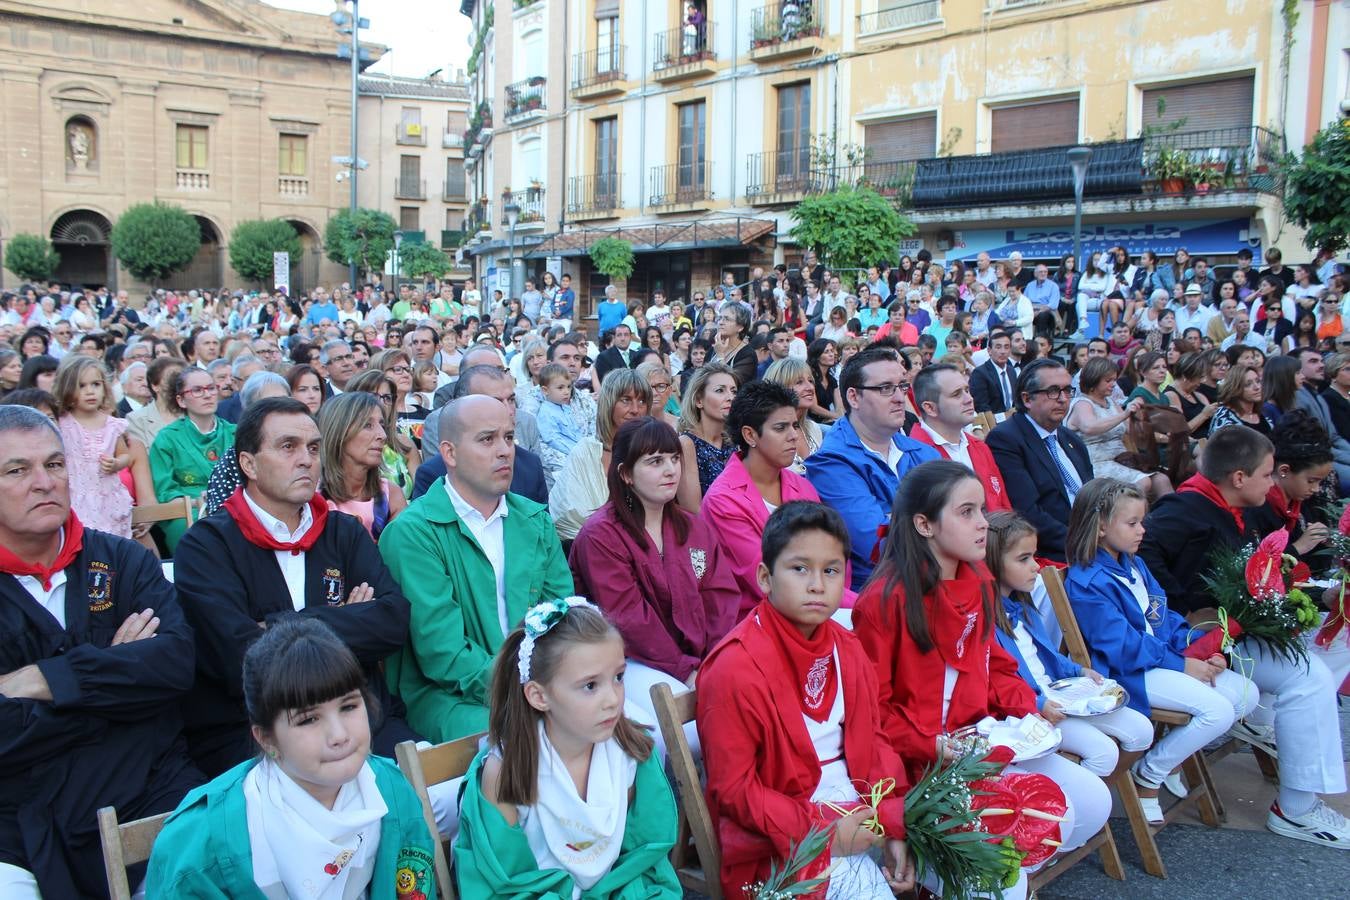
{"x": 1034, "y": 483}
{"x": 986, "y": 390}
{"x": 231, "y": 408}
{"x": 527, "y": 476}
{"x": 609, "y": 360}
{"x": 444, "y": 394}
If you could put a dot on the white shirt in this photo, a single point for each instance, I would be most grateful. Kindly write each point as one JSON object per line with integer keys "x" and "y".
{"x": 1198, "y": 319}
{"x": 1059, "y": 451}
{"x": 491, "y": 540}
{"x": 892, "y": 457}
{"x": 1140, "y": 593}
{"x": 53, "y": 600}
{"x": 1027, "y": 647}
{"x": 292, "y": 565}
{"x": 959, "y": 452}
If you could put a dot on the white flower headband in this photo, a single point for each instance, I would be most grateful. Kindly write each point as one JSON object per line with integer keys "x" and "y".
{"x": 539, "y": 620}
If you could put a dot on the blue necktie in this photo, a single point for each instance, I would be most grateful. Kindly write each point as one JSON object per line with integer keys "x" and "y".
{"x": 1067, "y": 473}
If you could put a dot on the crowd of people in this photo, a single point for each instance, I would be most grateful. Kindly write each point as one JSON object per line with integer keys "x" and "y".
{"x": 437, "y": 514}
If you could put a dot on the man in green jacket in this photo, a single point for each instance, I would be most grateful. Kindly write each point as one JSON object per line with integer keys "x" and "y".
{"x": 471, "y": 558}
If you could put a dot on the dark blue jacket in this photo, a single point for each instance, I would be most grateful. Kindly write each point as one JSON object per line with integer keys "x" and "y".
{"x": 1035, "y": 486}
{"x": 860, "y": 485}
{"x": 527, "y": 476}
{"x": 1056, "y": 664}
{"x": 1114, "y": 626}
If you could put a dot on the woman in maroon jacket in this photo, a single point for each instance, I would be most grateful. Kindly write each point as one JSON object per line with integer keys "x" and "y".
{"x": 655, "y": 570}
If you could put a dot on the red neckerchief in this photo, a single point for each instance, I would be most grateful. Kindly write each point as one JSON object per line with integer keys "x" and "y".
{"x": 74, "y": 541}
{"x": 258, "y": 536}
{"x": 1289, "y": 512}
{"x": 956, "y": 617}
{"x": 811, "y": 661}
{"x": 1199, "y": 484}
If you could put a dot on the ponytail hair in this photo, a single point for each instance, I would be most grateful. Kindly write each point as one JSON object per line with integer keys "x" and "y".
{"x": 907, "y": 562}
{"x": 1094, "y": 506}
{"x": 513, "y": 724}
{"x": 1005, "y": 529}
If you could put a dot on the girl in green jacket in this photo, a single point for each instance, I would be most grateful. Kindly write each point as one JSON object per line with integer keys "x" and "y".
{"x": 316, "y": 815}
{"x": 567, "y": 801}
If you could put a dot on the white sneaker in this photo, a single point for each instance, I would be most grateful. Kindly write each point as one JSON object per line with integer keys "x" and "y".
{"x": 1261, "y": 737}
{"x": 1174, "y": 784}
{"x": 1319, "y": 825}
{"x": 1151, "y": 806}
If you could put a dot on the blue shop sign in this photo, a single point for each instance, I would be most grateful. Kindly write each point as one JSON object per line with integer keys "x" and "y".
{"x": 1225, "y": 236}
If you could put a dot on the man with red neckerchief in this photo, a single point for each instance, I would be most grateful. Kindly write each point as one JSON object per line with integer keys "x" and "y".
{"x": 275, "y": 549}
{"x": 88, "y": 702}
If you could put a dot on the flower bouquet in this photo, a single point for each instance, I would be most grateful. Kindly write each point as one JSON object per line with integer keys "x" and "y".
{"x": 792, "y": 879}
{"x": 1254, "y": 591}
{"x": 1340, "y": 572}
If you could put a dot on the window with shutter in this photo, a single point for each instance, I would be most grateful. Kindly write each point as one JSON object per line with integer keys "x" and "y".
{"x": 1222, "y": 104}
{"x": 1029, "y": 126}
{"x": 901, "y": 140}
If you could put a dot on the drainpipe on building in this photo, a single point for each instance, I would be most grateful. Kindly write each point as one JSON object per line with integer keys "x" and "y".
{"x": 642, "y": 117}
{"x": 735, "y": 69}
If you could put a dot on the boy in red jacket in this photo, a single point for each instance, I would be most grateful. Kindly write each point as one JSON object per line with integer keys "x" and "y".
{"x": 790, "y": 725}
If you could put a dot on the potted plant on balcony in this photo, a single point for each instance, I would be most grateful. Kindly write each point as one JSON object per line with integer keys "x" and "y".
{"x": 1173, "y": 169}
{"x": 535, "y": 81}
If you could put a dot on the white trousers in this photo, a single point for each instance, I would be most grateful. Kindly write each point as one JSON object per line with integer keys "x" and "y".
{"x": 638, "y": 681}
{"x": 1212, "y": 709}
{"x": 18, "y": 884}
{"x": 1302, "y": 699}
{"x": 1089, "y": 799}
{"x": 857, "y": 877}
{"x": 1099, "y": 739}
{"x": 1017, "y": 892}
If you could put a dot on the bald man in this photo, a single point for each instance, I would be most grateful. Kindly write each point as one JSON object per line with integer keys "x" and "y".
{"x": 471, "y": 557}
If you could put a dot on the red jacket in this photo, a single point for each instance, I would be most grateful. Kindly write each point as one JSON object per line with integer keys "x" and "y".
{"x": 762, "y": 767}
{"x": 911, "y": 681}
{"x": 981, "y": 460}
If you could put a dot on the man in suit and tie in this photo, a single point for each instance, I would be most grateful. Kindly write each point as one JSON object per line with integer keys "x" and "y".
{"x": 618, "y": 355}
{"x": 1043, "y": 463}
{"x": 992, "y": 383}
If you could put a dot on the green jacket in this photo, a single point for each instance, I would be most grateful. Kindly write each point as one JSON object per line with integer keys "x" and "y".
{"x": 181, "y": 460}
{"x": 203, "y": 851}
{"x": 444, "y": 672}
{"x": 493, "y": 859}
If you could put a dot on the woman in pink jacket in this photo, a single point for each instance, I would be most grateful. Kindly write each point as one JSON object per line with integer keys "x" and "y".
{"x": 757, "y": 480}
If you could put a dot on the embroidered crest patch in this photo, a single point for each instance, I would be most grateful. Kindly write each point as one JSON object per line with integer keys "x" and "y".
{"x": 699, "y": 559}
{"x": 413, "y": 879}
{"x": 816, "y": 678}
{"x": 100, "y": 578}
{"x": 332, "y": 587}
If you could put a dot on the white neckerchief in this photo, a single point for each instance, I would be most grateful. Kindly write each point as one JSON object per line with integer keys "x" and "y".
{"x": 310, "y": 851}
{"x": 581, "y": 837}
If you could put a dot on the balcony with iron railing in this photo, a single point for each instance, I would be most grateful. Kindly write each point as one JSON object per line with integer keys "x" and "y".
{"x": 451, "y": 140}
{"x": 410, "y": 188}
{"x": 677, "y": 187}
{"x": 780, "y": 30}
{"x": 598, "y": 73}
{"x": 682, "y": 52}
{"x": 892, "y": 180}
{"x": 525, "y": 99}
{"x": 593, "y": 196}
{"x": 995, "y": 6}
{"x": 779, "y": 176}
{"x": 531, "y": 205}
{"x": 479, "y": 218}
{"x": 454, "y": 238}
{"x": 899, "y": 16}
{"x": 410, "y": 134}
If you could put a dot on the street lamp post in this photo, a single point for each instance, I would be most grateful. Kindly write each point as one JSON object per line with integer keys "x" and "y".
{"x": 352, "y": 24}
{"x": 512, "y": 211}
{"x": 1078, "y": 162}
{"x": 398, "y": 242}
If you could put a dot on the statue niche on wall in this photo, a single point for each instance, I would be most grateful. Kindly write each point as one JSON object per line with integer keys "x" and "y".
{"x": 81, "y": 145}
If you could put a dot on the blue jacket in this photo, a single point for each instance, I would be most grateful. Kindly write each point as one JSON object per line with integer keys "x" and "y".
{"x": 860, "y": 485}
{"x": 1056, "y": 664}
{"x": 1113, "y": 624}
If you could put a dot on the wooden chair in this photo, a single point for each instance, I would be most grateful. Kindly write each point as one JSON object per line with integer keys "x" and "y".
{"x": 177, "y": 508}
{"x": 125, "y": 844}
{"x": 986, "y": 421}
{"x": 432, "y": 766}
{"x": 672, "y": 714}
{"x": 1202, "y": 794}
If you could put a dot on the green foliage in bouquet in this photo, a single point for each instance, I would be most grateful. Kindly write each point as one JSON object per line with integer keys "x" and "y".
{"x": 782, "y": 882}
{"x": 1274, "y": 618}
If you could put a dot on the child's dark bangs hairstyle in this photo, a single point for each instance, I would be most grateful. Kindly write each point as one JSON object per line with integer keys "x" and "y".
{"x": 296, "y": 664}
{"x": 1006, "y": 528}
{"x": 908, "y": 569}
{"x": 513, "y": 722}
{"x": 794, "y": 518}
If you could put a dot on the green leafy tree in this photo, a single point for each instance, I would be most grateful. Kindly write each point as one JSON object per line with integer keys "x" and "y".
{"x": 366, "y": 237}
{"x": 421, "y": 260}
{"x": 851, "y": 228}
{"x": 1316, "y": 186}
{"x": 612, "y": 257}
{"x": 153, "y": 240}
{"x": 253, "y": 243}
{"x": 31, "y": 257}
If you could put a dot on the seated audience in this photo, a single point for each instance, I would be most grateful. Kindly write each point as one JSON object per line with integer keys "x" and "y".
{"x": 351, "y": 460}
{"x": 946, "y": 410}
{"x": 185, "y": 451}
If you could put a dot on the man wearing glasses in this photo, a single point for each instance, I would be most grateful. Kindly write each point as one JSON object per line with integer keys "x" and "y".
{"x": 340, "y": 363}
{"x": 1044, "y": 464}
{"x": 859, "y": 466}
